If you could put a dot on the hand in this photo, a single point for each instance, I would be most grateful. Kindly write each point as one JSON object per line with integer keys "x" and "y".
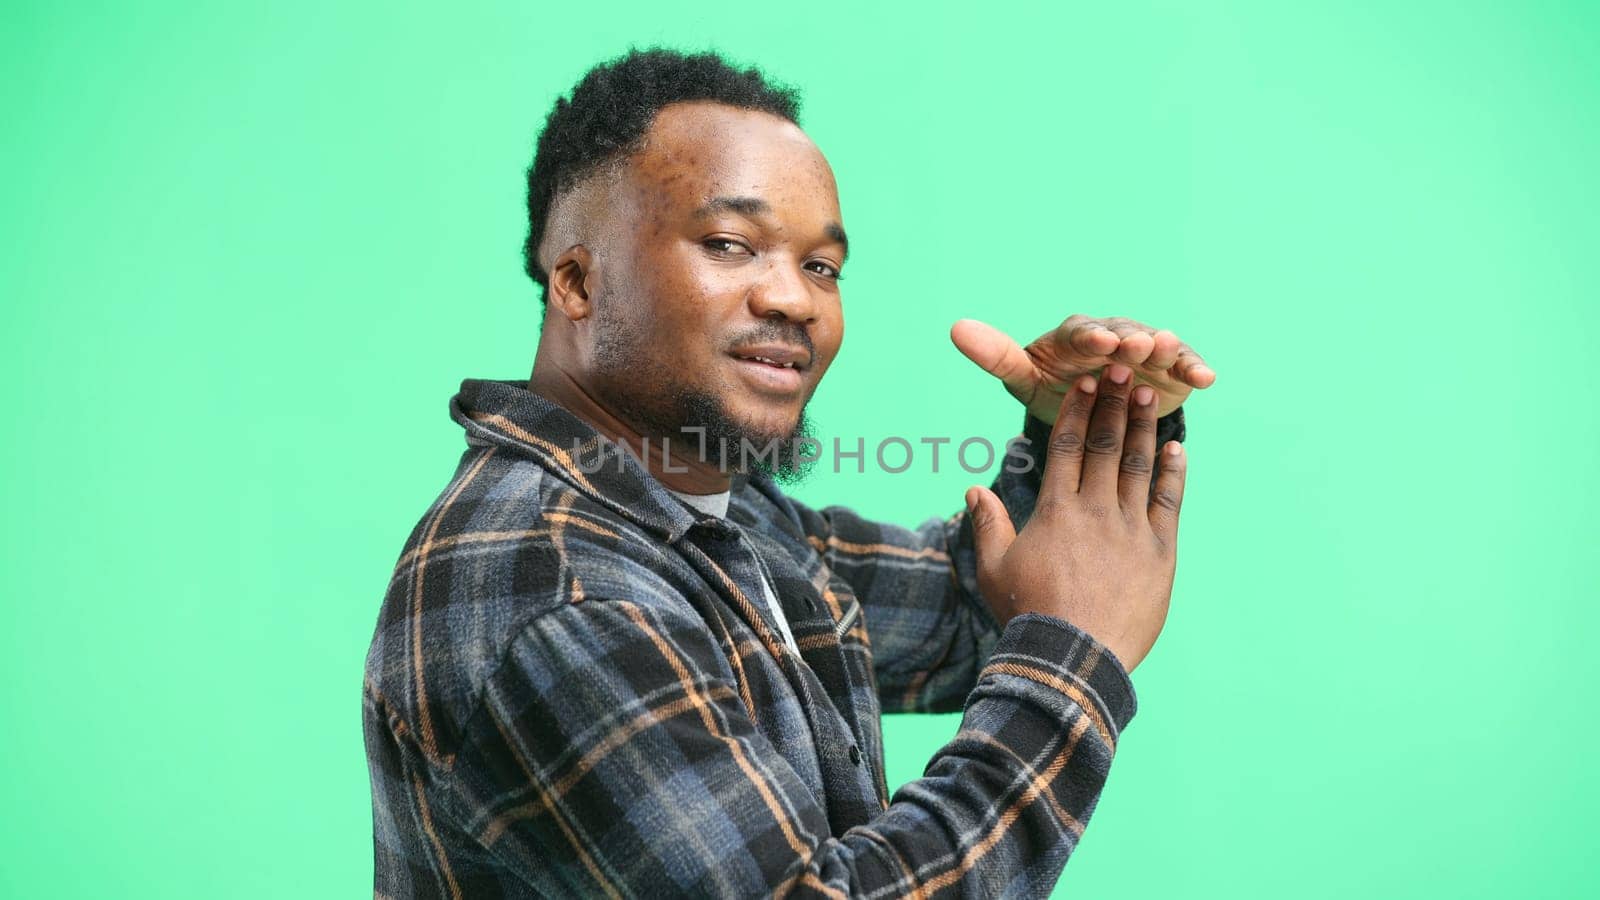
{"x": 1039, "y": 374}
{"x": 1100, "y": 549}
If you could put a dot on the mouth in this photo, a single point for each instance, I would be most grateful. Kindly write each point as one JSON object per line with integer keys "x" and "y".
{"x": 773, "y": 368}
{"x": 782, "y": 356}
{"x": 770, "y": 362}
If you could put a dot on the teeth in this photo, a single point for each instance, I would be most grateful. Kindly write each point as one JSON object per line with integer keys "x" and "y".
{"x": 770, "y": 361}
{"x": 773, "y": 362}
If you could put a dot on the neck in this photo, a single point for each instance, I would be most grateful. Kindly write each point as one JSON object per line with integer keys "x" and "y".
{"x": 670, "y": 458}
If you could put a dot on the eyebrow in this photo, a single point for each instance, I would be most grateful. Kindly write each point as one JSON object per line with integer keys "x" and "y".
{"x": 755, "y": 206}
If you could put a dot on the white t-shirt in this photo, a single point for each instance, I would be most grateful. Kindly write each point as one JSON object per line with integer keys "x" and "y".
{"x": 717, "y": 505}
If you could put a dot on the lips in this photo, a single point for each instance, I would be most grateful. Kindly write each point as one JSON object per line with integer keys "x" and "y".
{"x": 783, "y": 356}
{"x": 773, "y": 368}
{"x": 770, "y": 362}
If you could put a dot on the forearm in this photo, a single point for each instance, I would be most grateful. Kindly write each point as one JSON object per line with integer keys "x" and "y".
{"x": 1005, "y": 802}
{"x": 673, "y": 791}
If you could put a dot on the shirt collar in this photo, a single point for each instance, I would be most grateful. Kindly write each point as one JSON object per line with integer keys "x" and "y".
{"x": 507, "y": 416}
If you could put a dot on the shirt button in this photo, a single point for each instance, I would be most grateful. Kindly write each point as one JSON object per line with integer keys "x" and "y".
{"x": 855, "y": 755}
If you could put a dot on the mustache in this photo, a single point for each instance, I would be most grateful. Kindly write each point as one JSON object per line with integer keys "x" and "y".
{"x": 776, "y": 332}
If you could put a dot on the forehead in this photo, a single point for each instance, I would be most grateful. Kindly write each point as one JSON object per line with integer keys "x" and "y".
{"x": 696, "y": 151}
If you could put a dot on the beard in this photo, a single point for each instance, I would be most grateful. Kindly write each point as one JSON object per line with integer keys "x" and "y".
{"x": 692, "y": 419}
{"x": 720, "y": 439}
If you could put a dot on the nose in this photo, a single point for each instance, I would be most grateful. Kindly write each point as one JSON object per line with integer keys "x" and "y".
{"x": 783, "y": 293}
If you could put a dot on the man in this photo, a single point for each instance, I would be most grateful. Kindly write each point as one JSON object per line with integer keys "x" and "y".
{"x": 657, "y": 674}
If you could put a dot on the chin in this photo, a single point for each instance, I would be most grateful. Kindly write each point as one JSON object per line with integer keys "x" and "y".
{"x": 763, "y": 421}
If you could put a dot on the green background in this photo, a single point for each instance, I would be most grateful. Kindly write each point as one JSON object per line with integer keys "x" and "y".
{"x": 247, "y": 255}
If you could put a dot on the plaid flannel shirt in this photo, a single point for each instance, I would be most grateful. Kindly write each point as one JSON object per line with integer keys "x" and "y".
{"x": 571, "y": 692}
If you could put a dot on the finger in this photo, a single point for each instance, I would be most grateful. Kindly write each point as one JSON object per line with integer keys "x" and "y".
{"x": 1087, "y": 336}
{"x": 1190, "y": 369}
{"x": 1138, "y": 452}
{"x": 1102, "y": 448}
{"x": 1135, "y": 348}
{"x": 996, "y": 353}
{"x": 1165, "y": 353}
{"x": 1135, "y": 341}
{"x": 1166, "y": 496}
{"x": 992, "y": 531}
{"x": 1064, "y": 455}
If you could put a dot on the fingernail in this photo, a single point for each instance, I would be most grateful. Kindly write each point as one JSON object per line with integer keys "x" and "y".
{"x": 1174, "y": 449}
{"x": 1143, "y": 394}
{"x": 1119, "y": 374}
{"x": 1086, "y": 384}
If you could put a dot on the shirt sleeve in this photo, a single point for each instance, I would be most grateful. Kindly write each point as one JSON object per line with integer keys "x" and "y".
{"x": 930, "y": 629}
{"x": 613, "y": 755}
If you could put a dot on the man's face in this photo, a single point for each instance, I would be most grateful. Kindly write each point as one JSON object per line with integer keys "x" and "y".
{"x": 715, "y": 284}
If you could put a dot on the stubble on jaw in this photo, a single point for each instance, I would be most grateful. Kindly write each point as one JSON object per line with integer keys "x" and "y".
{"x": 658, "y": 404}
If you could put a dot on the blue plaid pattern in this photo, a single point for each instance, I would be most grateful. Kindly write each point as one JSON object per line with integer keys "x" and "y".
{"x": 574, "y": 690}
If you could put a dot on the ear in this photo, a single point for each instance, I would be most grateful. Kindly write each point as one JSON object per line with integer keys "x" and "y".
{"x": 568, "y": 289}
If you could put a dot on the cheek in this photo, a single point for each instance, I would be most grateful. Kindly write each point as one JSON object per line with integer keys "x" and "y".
{"x": 672, "y": 283}
{"x": 705, "y": 296}
{"x": 832, "y": 336}
{"x": 695, "y": 307}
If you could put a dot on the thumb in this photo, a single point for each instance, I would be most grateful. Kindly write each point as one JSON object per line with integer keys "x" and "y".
{"x": 992, "y": 532}
{"x": 996, "y": 353}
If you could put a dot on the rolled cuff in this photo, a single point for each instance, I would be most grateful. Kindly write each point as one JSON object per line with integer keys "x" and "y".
{"x": 1054, "y": 654}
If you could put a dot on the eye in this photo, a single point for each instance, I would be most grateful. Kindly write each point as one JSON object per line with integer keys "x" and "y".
{"x": 825, "y": 269}
{"x": 722, "y": 246}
